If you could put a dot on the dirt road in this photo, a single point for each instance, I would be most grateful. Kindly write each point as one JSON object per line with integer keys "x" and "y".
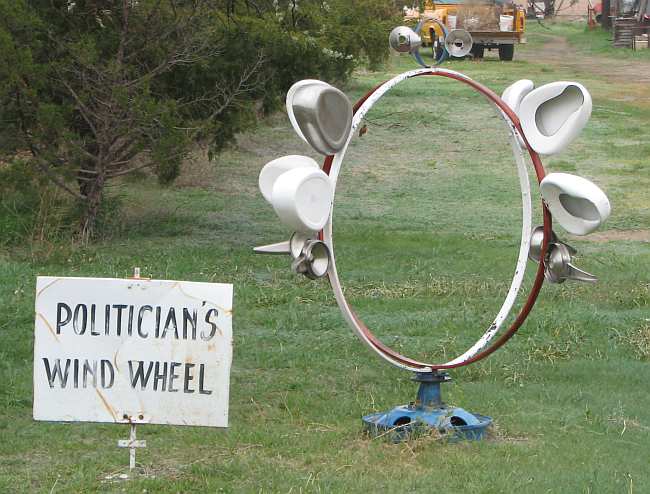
{"x": 558, "y": 52}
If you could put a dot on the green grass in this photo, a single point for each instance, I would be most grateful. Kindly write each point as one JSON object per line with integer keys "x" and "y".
{"x": 426, "y": 229}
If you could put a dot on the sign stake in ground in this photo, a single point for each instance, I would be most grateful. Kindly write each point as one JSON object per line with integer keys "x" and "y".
{"x": 132, "y": 443}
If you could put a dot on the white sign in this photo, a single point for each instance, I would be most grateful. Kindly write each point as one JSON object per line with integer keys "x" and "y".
{"x": 132, "y": 350}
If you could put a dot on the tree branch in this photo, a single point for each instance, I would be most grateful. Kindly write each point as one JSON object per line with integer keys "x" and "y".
{"x": 83, "y": 109}
{"x": 56, "y": 179}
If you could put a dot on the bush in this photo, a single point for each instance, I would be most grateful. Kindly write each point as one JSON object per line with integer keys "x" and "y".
{"x": 30, "y": 208}
{"x": 96, "y": 90}
{"x": 317, "y": 41}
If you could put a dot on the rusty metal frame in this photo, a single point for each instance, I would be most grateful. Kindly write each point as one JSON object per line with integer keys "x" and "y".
{"x": 480, "y": 349}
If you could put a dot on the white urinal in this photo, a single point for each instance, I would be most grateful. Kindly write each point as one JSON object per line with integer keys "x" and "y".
{"x": 553, "y": 115}
{"x": 273, "y": 169}
{"x": 320, "y": 114}
{"x": 514, "y": 93}
{"x": 302, "y": 198}
{"x": 577, "y": 204}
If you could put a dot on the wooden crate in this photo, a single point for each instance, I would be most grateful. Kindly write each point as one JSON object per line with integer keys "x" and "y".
{"x": 624, "y": 28}
{"x": 640, "y": 42}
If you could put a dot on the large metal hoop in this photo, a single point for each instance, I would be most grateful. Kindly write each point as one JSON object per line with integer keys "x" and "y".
{"x": 480, "y": 349}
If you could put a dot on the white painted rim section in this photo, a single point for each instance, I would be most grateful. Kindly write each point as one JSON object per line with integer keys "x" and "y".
{"x": 273, "y": 169}
{"x": 577, "y": 204}
{"x": 517, "y": 279}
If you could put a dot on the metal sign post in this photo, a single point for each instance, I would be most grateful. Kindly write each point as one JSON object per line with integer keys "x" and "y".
{"x": 132, "y": 442}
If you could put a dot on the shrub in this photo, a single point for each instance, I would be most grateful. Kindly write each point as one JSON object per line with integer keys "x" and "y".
{"x": 99, "y": 89}
{"x": 30, "y": 208}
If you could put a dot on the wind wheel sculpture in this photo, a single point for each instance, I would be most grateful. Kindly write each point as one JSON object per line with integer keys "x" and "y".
{"x": 540, "y": 121}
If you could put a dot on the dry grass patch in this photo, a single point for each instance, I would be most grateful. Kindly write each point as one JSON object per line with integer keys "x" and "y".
{"x": 638, "y": 340}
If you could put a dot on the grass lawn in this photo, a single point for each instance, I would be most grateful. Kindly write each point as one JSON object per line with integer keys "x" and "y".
{"x": 427, "y": 222}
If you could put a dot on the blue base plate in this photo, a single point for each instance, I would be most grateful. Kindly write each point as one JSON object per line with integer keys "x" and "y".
{"x": 406, "y": 421}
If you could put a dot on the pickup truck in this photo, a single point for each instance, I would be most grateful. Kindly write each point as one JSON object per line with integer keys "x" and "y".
{"x": 492, "y": 24}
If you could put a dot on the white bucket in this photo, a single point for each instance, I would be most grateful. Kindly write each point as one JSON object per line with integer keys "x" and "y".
{"x": 451, "y": 21}
{"x": 506, "y": 22}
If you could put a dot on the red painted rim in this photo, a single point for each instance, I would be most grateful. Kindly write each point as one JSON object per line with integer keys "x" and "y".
{"x": 539, "y": 277}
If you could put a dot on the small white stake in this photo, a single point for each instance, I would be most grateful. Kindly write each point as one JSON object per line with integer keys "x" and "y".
{"x": 132, "y": 448}
{"x": 132, "y": 443}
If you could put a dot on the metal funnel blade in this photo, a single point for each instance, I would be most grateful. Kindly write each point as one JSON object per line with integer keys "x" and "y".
{"x": 313, "y": 261}
{"x": 559, "y": 267}
{"x": 572, "y": 250}
{"x": 576, "y": 274}
{"x": 557, "y": 263}
{"x": 536, "y": 240}
{"x": 274, "y": 249}
{"x": 458, "y": 43}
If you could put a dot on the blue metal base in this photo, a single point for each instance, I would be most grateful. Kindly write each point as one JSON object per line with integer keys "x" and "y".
{"x": 427, "y": 413}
